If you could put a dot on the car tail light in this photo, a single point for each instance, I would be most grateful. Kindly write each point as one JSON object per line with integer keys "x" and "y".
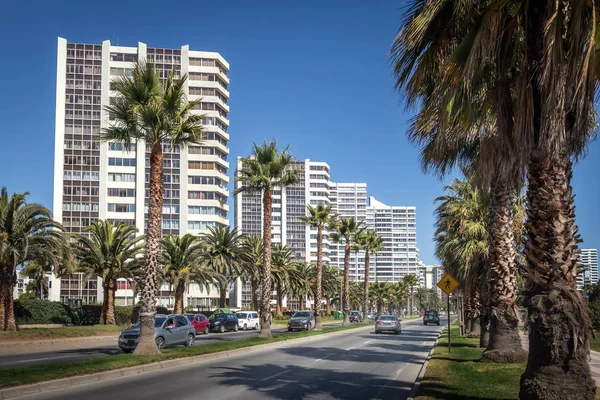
{"x": 393, "y": 322}
{"x": 378, "y": 322}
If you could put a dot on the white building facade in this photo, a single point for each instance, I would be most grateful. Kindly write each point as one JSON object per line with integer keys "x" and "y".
{"x": 100, "y": 180}
{"x": 588, "y": 272}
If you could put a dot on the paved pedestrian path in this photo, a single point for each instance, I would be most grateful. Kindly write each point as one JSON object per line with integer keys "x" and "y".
{"x": 594, "y": 359}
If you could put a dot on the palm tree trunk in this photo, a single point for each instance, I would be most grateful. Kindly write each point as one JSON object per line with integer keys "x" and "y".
{"x": 222, "y": 294}
{"x": 366, "y": 285}
{"x": 475, "y": 312}
{"x": 253, "y": 297}
{"x": 412, "y": 300}
{"x": 279, "y": 305}
{"x": 328, "y": 306}
{"x": 3, "y": 296}
{"x": 468, "y": 310}
{"x": 319, "y": 278}
{"x": 147, "y": 344}
{"x": 109, "y": 318}
{"x": 505, "y": 340}
{"x": 302, "y": 299}
{"x": 179, "y": 293}
{"x": 104, "y": 302}
{"x": 11, "y": 323}
{"x": 346, "y": 294}
{"x": 265, "y": 304}
{"x": 559, "y": 321}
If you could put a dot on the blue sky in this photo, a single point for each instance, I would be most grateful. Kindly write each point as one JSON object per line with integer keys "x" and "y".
{"x": 311, "y": 73}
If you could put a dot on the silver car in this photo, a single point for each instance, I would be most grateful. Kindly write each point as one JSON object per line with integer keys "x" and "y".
{"x": 169, "y": 330}
{"x": 388, "y": 323}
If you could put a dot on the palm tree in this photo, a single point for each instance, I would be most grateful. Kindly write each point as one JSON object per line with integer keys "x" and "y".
{"x": 401, "y": 294}
{"x": 300, "y": 277}
{"x": 221, "y": 251}
{"x": 422, "y": 297}
{"x": 515, "y": 47}
{"x": 252, "y": 257}
{"x": 265, "y": 169}
{"x": 355, "y": 295}
{"x": 319, "y": 217}
{"x": 347, "y": 230}
{"x": 37, "y": 274}
{"x": 411, "y": 281}
{"x": 331, "y": 285}
{"x": 381, "y": 293}
{"x": 156, "y": 114}
{"x": 180, "y": 258}
{"x": 370, "y": 243}
{"x": 282, "y": 259}
{"x": 27, "y": 234}
{"x": 110, "y": 252}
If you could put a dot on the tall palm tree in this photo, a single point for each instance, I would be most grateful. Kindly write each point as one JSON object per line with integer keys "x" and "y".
{"x": 156, "y": 114}
{"x": 401, "y": 294}
{"x": 331, "y": 285}
{"x": 221, "y": 251}
{"x": 265, "y": 169}
{"x": 252, "y": 258}
{"x": 319, "y": 217}
{"x": 180, "y": 258}
{"x": 355, "y": 295}
{"x": 27, "y": 234}
{"x": 108, "y": 251}
{"x": 370, "y": 243}
{"x": 381, "y": 293}
{"x": 301, "y": 277}
{"x": 553, "y": 82}
{"x": 347, "y": 231}
{"x": 282, "y": 260}
{"x": 411, "y": 281}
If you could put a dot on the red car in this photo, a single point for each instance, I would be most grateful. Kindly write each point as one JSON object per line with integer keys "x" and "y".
{"x": 199, "y": 321}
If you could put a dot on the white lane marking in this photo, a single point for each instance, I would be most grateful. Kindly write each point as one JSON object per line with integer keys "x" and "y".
{"x": 350, "y": 348}
{"x": 274, "y": 376}
{"x": 368, "y": 341}
{"x": 39, "y": 359}
{"x": 394, "y": 378}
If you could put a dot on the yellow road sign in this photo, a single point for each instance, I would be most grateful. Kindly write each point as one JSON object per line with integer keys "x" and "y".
{"x": 448, "y": 284}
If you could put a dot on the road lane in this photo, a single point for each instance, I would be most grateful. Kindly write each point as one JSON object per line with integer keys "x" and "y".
{"x": 356, "y": 365}
{"x": 16, "y": 357}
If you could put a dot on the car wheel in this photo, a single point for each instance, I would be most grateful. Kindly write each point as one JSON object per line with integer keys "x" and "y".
{"x": 425, "y": 323}
{"x": 235, "y": 328}
{"x": 222, "y": 328}
{"x": 308, "y": 326}
{"x": 160, "y": 343}
{"x": 190, "y": 340}
{"x": 127, "y": 351}
{"x": 438, "y": 324}
{"x": 377, "y": 332}
{"x": 397, "y": 332}
{"x": 245, "y": 327}
{"x": 206, "y": 330}
{"x": 257, "y": 326}
{"x": 290, "y": 330}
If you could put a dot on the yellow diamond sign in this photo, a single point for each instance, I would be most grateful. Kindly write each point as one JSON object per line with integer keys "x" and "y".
{"x": 448, "y": 284}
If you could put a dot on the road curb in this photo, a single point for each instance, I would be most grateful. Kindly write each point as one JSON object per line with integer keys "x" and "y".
{"x": 19, "y": 391}
{"x": 11, "y": 345}
{"x": 415, "y": 388}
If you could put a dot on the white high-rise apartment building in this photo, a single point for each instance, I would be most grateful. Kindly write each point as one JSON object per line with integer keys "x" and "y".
{"x": 99, "y": 180}
{"x": 349, "y": 200}
{"x": 289, "y": 204}
{"x": 429, "y": 276}
{"x": 397, "y": 225}
{"x": 588, "y": 273}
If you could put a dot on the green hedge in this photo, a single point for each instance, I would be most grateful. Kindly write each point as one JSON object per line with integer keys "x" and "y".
{"x": 35, "y": 311}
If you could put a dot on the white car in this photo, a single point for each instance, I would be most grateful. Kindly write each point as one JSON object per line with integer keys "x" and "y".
{"x": 248, "y": 320}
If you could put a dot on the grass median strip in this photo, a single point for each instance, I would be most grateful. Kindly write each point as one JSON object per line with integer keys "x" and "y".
{"x": 40, "y": 373}
{"x": 463, "y": 374}
{"x": 56, "y": 333}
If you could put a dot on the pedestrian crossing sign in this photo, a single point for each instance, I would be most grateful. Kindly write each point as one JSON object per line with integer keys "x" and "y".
{"x": 448, "y": 284}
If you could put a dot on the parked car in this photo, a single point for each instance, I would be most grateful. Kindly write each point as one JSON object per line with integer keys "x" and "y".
{"x": 431, "y": 317}
{"x": 169, "y": 330}
{"x": 372, "y": 316}
{"x": 199, "y": 321}
{"x": 388, "y": 323}
{"x": 223, "y": 322}
{"x": 248, "y": 320}
{"x": 356, "y": 316}
{"x": 301, "y": 320}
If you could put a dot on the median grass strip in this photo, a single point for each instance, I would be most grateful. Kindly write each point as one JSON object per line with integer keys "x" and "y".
{"x": 595, "y": 342}
{"x": 463, "y": 374}
{"x": 40, "y": 373}
{"x": 56, "y": 333}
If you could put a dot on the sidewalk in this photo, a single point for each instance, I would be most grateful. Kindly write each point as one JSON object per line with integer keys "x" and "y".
{"x": 594, "y": 359}
{"x": 7, "y": 344}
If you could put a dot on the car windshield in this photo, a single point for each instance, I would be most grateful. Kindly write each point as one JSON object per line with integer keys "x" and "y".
{"x": 354, "y": 313}
{"x": 301, "y": 315}
{"x": 241, "y": 315}
{"x": 190, "y": 317}
{"x": 157, "y": 323}
{"x": 431, "y": 313}
{"x": 387, "y": 318}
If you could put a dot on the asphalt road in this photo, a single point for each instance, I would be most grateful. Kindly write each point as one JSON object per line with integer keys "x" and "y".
{"x": 17, "y": 357}
{"x": 356, "y": 365}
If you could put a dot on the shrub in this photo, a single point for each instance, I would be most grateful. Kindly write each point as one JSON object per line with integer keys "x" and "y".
{"x": 124, "y": 315}
{"x": 90, "y": 314}
{"x": 36, "y": 311}
{"x": 595, "y": 313}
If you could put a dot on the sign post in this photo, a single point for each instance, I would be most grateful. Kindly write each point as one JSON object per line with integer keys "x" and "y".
{"x": 448, "y": 284}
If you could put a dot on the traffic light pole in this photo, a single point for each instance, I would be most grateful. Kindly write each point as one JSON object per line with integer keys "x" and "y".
{"x": 448, "y": 324}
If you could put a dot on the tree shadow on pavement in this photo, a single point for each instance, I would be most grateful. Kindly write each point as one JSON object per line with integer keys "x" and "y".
{"x": 296, "y": 382}
{"x": 354, "y": 355}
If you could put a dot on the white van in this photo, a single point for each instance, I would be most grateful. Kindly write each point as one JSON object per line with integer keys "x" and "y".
{"x": 248, "y": 320}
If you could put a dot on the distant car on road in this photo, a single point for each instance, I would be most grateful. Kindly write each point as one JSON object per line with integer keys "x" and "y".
{"x": 301, "y": 320}
{"x": 223, "y": 322}
{"x": 356, "y": 316}
{"x": 169, "y": 330}
{"x": 431, "y": 317}
{"x": 200, "y": 322}
{"x": 388, "y": 323}
{"x": 248, "y": 320}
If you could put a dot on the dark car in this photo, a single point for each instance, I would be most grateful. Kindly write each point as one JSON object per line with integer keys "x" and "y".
{"x": 223, "y": 322}
{"x": 388, "y": 323}
{"x": 431, "y": 317}
{"x": 356, "y": 316}
{"x": 199, "y": 321}
{"x": 301, "y": 320}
